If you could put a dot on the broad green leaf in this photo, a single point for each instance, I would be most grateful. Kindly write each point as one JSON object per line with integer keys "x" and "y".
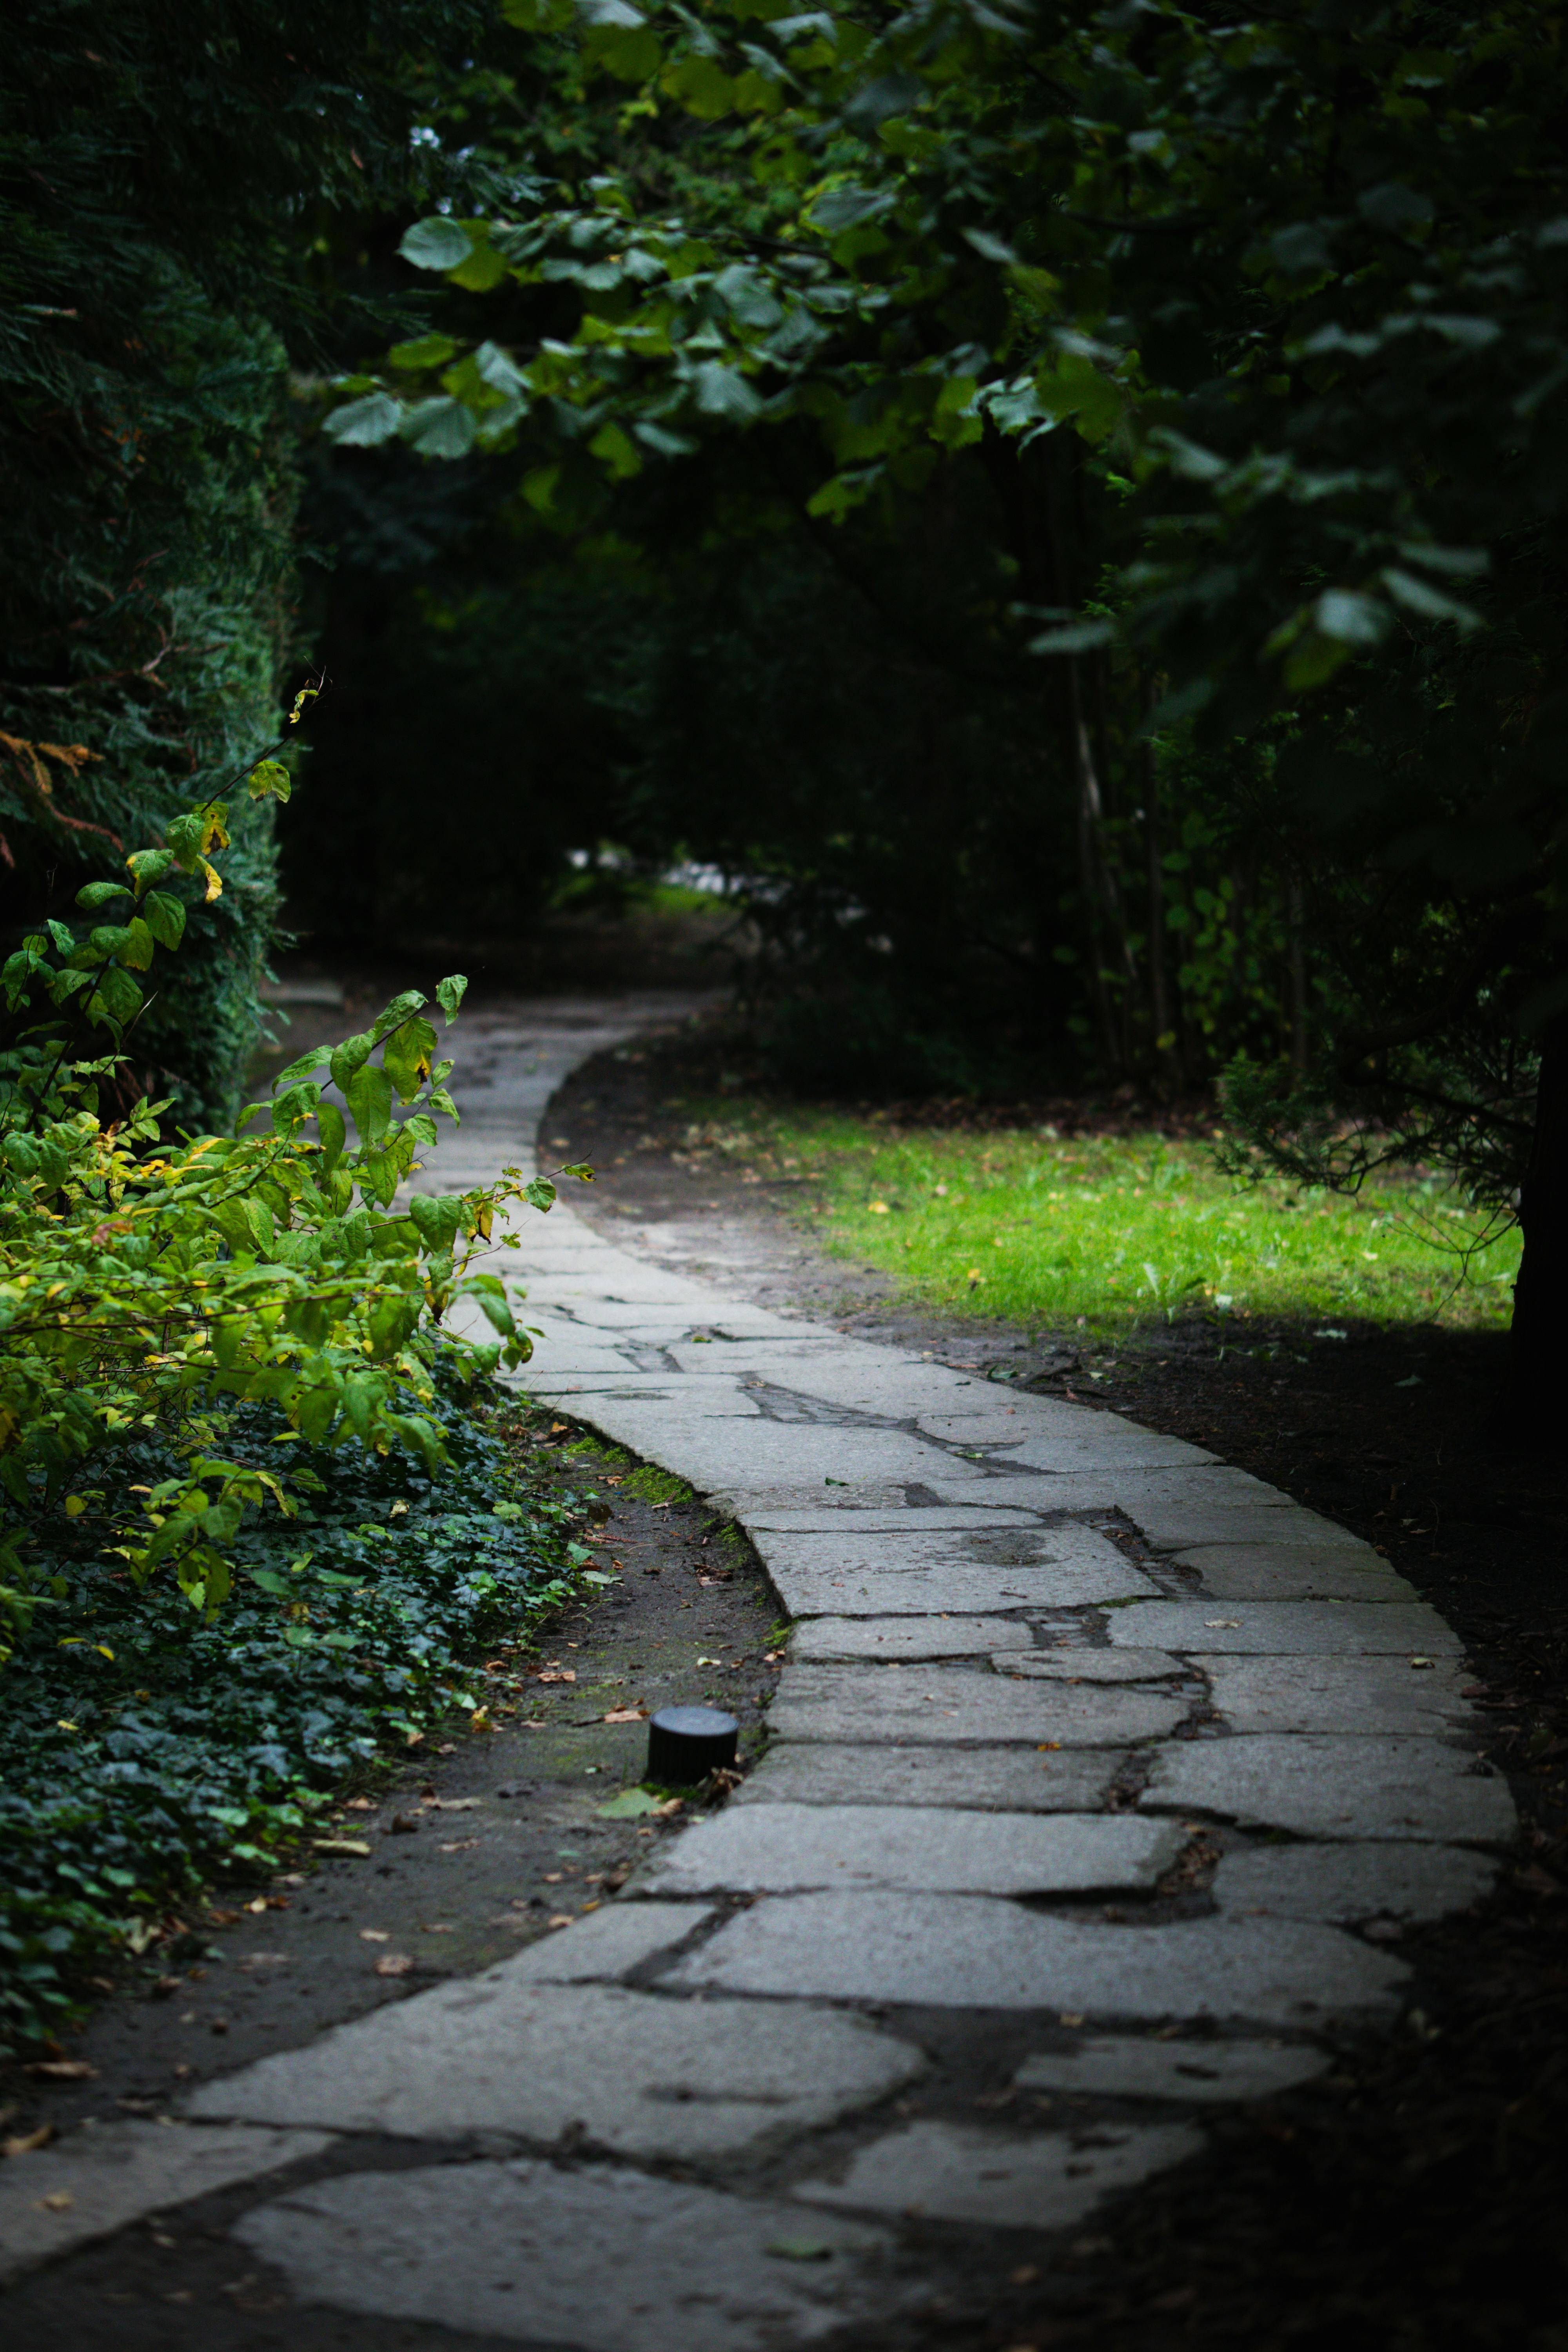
{"x": 93, "y": 895}
{"x": 269, "y": 780}
{"x": 351, "y": 1056}
{"x": 369, "y": 1094}
{"x": 362, "y": 424}
{"x": 165, "y": 917}
{"x": 435, "y": 244}
{"x": 305, "y": 1065}
{"x": 441, "y": 428}
{"x": 449, "y": 995}
{"x": 426, "y": 351}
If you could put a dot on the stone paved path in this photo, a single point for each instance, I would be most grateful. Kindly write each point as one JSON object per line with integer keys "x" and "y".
{"x": 1095, "y": 1759}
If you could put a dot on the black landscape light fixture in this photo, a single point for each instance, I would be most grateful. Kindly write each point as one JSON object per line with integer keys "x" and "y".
{"x": 685, "y": 1743}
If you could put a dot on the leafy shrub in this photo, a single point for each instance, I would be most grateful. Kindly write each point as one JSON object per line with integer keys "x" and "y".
{"x": 147, "y": 1287}
{"x": 145, "y": 1744}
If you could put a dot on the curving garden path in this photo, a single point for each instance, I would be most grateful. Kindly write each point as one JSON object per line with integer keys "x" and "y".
{"x": 1095, "y": 1760}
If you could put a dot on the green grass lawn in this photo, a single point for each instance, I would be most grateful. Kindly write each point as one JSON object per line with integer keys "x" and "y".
{"x": 1116, "y": 1231}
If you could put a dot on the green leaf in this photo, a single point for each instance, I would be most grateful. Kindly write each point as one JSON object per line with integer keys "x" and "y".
{"x": 369, "y": 1093}
{"x": 150, "y": 865}
{"x": 333, "y": 1132}
{"x": 93, "y": 895}
{"x": 269, "y": 780}
{"x": 629, "y": 1806}
{"x": 305, "y": 1065}
{"x": 426, "y": 351}
{"x": 361, "y": 424}
{"x": 410, "y": 1051}
{"x": 1078, "y": 638}
{"x": 165, "y": 917}
{"x": 402, "y": 1008}
{"x": 449, "y": 995}
{"x": 1352, "y": 619}
{"x": 435, "y": 244}
{"x": 351, "y": 1056}
{"x": 436, "y": 1220}
{"x": 441, "y": 428}
{"x": 723, "y": 392}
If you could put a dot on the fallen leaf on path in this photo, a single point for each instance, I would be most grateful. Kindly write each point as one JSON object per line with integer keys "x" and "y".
{"x": 569, "y": 1675}
{"x": 338, "y": 1845}
{"x": 628, "y": 1805}
{"x": 625, "y": 1714}
{"x": 393, "y": 1964}
{"x": 560, "y": 1919}
{"x": 59, "y": 2201}
{"x": 62, "y": 2070}
{"x": 25, "y": 2142}
{"x": 455, "y": 1845}
{"x": 401, "y": 1825}
{"x": 375, "y": 1936}
{"x": 1214, "y": 1623}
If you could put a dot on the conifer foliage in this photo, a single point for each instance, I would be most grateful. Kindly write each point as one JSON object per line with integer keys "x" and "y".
{"x": 165, "y": 171}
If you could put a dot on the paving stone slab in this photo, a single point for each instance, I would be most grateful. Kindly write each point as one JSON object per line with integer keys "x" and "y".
{"x": 600, "y": 2259}
{"x": 641, "y": 2074}
{"x": 976, "y": 1951}
{"x": 106, "y": 2175}
{"x": 1322, "y": 1786}
{"x": 1169, "y": 1524}
{"x": 1141, "y": 2066}
{"x": 1005, "y": 1779}
{"x": 1285, "y": 1628}
{"x": 605, "y": 1944}
{"x": 880, "y": 1638}
{"x": 1176, "y": 1524}
{"x": 938, "y": 1704}
{"x": 910, "y": 1570}
{"x": 1336, "y": 1694}
{"x": 961, "y": 1589}
{"x": 1075, "y": 1665}
{"x": 1294, "y": 1572}
{"x": 862, "y": 1511}
{"x": 762, "y": 1503}
{"x": 1087, "y": 1453}
{"x": 953, "y": 2172}
{"x": 784, "y": 1848}
{"x": 1377, "y": 1881}
{"x": 753, "y": 1450}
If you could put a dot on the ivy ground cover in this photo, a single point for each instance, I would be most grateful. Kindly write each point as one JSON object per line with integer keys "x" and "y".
{"x": 145, "y": 1748}
{"x": 1117, "y": 1231}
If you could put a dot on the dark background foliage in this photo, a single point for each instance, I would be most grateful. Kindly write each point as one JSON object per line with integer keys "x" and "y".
{"x": 168, "y": 177}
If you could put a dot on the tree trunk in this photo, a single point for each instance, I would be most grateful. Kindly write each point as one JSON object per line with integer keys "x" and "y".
{"x": 1167, "y": 1045}
{"x": 1300, "y": 1045}
{"x": 1539, "y": 1340}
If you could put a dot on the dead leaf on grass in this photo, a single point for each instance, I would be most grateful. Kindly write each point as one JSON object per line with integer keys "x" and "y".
{"x": 625, "y": 1714}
